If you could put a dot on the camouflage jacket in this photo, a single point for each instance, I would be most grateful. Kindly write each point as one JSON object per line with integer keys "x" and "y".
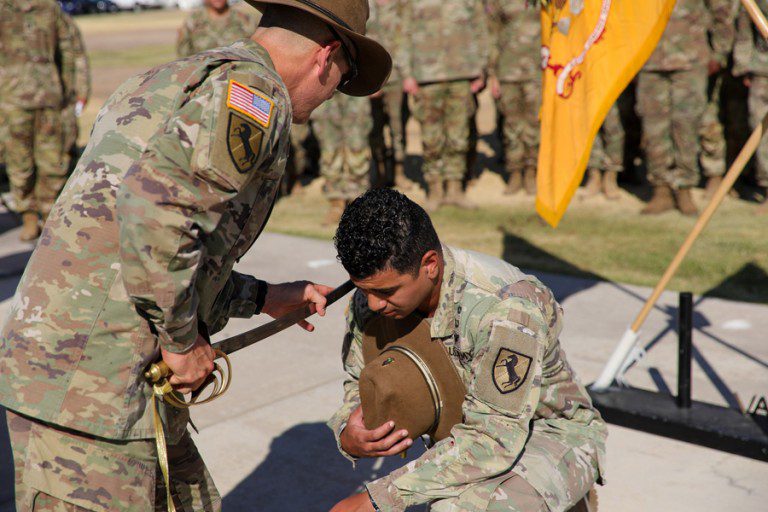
{"x": 516, "y": 41}
{"x": 487, "y": 309}
{"x": 385, "y": 26}
{"x": 200, "y": 32}
{"x": 750, "y": 51}
{"x": 75, "y": 72}
{"x": 32, "y": 34}
{"x": 176, "y": 183}
{"x": 698, "y": 30}
{"x": 443, "y": 40}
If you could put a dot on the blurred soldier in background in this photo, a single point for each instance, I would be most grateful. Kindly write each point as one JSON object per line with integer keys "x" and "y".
{"x": 76, "y": 78}
{"x": 607, "y": 156}
{"x": 712, "y": 136}
{"x": 750, "y": 57}
{"x": 672, "y": 98}
{"x": 342, "y": 127}
{"x": 297, "y": 160}
{"x": 214, "y": 25}
{"x": 516, "y": 86}
{"x": 33, "y": 34}
{"x": 444, "y": 58}
{"x": 385, "y": 25}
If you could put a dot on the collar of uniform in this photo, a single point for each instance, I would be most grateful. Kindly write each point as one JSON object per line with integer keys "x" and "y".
{"x": 444, "y": 321}
{"x": 260, "y": 52}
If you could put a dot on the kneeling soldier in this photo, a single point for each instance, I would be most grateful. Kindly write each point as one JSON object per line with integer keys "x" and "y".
{"x": 514, "y": 427}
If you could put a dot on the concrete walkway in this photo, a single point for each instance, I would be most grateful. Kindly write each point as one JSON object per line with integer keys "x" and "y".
{"x": 268, "y": 448}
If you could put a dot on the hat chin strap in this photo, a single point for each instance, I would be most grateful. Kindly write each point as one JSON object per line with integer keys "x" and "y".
{"x": 428, "y": 377}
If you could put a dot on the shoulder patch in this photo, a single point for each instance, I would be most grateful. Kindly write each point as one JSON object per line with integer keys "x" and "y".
{"x": 510, "y": 370}
{"x": 250, "y": 102}
{"x": 243, "y": 142}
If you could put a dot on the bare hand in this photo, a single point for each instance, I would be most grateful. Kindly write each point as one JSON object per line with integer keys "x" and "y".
{"x": 356, "y": 503}
{"x": 713, "y": 67}
{"x": 495, "y": 86}
{"x": 477, "y": 85}
{"x": 190, "y": 368}
{"x": 411, "y": 86}
{"x": 283, "y": 298}
{"x": 747, "y": 80}
{"x": 358, "y": 441}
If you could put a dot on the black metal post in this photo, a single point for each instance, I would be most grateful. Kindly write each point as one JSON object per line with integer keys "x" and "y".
{"x": 684, "y": 350}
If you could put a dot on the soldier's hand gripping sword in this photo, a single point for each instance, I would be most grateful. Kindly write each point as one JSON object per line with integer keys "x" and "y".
{"x": 158, "y": 373}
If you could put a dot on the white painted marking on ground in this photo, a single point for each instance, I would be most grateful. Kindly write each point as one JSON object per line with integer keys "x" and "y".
{"x": 320, "y": 263}
{"x": 737, "y": 324}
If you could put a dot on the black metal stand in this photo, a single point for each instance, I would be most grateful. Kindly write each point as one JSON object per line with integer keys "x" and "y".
{"x": 681, "y": 418}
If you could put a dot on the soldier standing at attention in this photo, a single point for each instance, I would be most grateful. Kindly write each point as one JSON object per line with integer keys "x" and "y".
{"x": 175, "y": 185}
{"x": 516, "y": 85}
{"x": 446, "y": 47}
{"x": 527, "y": 437}
{"x": 672, "y": 97}
{"x": 607, "y": 158}
{"x": 32, "y": 34}
{"x": 385, "y": 26}
{"x": 213, "y": 25}
{"x": 342, "y": 126}
{"x": 76, "y": 78}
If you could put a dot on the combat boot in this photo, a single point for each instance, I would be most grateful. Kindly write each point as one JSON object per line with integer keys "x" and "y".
{"x": 763, "y": 208}
{"x": 435, "y": 193}
{"x": 611, "y": 185}
{"x": 514, "y": 183}
{"x": 401, "y": 181}
{"x": 593, "y": 184}
{"x": 30, "y": 229}
{"x": 333, "y": 216}
{"x": 660, "y": 202}
{"x": 713, "y": 183}
{"x": 455, "y": 196}
{"x": 529, "y": 181}
{"x": 685, "y": 202}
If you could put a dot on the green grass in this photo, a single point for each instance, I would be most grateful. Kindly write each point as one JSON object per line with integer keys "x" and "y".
{"x": 148, "y": 56}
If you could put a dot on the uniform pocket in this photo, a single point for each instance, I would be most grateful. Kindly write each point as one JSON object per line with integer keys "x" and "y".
{"x": 90, "y": 474}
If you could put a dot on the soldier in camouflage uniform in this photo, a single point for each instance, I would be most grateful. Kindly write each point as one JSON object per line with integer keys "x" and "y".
{"x": 536, "y": 445}
{"x": 136, "y": 259}
{"x": 607, "y": 158}
{"x": 385, "y": 25}
{"x": 750, "y": 57}
{"x": 33, "y": 34}
{"x": 516, "y": 85}
{"x": 213, "y": 25}
{"x": 444, "y": 59}
{"x": 76, "y": 80}
{"x": 342, "y": 127}
{"x": 671, "y": 94}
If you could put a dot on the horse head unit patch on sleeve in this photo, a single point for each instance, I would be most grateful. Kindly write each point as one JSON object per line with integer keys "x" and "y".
{"x": 510, "y": 370}
{"x": 243, "y": 142}
{"x": 250, "y": 102}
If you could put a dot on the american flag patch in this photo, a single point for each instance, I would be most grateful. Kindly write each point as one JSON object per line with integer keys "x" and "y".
{"x": 249, "y": 102}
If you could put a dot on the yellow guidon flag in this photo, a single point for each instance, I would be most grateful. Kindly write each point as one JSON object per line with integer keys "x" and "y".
{"x": 591, "y": 50}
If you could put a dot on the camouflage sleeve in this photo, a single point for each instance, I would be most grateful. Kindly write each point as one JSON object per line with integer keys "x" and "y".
{"x": 493, "y": 16}
{"x": 184, "y": 40}
{"x": 722, "y": 31}
{"x": 743, "y": 45}
{"x": 352, "y": 357}
{"x": 502, "y": 397}
{"x": 65, "y": 54}
{"x": 236, "y": 300}
{"x": 173, "y": 198}
{"x": 484, "y": 36}
{"x": 403, "y": 44}
{"x": 82, "y": 87}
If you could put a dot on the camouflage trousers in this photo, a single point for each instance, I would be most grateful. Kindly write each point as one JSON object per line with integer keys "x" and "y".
{"x": 446, "y": 113}
{"x": 758, "y": 107}
{"x": 342, "y": 126}
{"x": 58, "y": 470}
{"x": 711, "y": 132}
{"x": 671, "y": 105}
{"x": 34, "y": 154}
{"x": 608, "y": 148}
{"x": 388, "y": 114}
{"x": 519, "y": 108}
{"x": 512, "y": 495}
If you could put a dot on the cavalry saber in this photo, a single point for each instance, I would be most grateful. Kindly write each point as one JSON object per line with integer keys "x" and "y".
{"x": 160, "y": 370}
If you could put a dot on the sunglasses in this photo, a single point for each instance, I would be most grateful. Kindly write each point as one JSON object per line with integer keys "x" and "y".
{"x": 351, "y": 74}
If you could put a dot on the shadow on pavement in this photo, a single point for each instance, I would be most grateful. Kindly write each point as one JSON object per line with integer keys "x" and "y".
{"x": 8, "y": 220}
{"x": 304, "y": 471}
{"x": 6, "y": 465}
{"x": 749, "y": 284}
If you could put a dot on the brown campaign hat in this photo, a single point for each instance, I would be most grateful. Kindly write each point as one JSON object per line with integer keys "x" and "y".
{"x": 348, "y": 18}
{"x": 409, "y": 378}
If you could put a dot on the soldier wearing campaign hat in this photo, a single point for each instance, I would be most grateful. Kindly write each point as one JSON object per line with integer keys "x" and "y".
{"x": 136, "y": 258}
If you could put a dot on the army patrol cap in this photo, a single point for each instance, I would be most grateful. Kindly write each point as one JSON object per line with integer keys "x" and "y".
{"x": 370, "y": 62}
{"x": 411, "y": 381}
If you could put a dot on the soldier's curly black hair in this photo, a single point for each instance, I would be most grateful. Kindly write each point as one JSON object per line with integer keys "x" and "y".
{"x": 383, "y": 229}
